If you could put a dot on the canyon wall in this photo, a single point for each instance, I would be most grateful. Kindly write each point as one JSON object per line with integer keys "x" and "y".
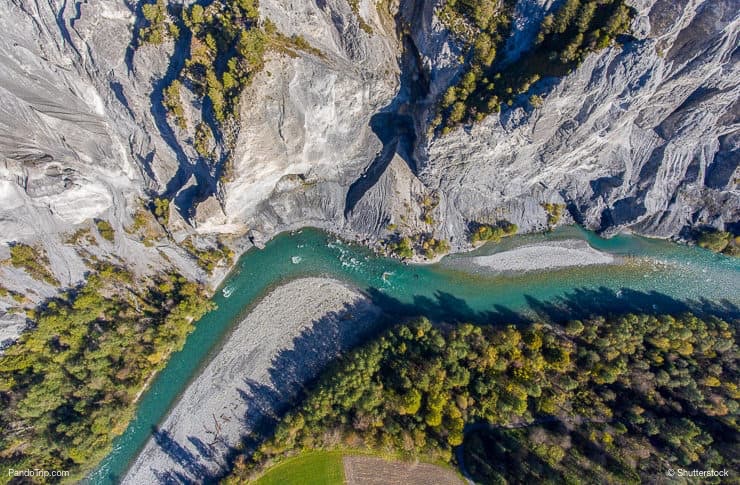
{"x": 643, "y": 136}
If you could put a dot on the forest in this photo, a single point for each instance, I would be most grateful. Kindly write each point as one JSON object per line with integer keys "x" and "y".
{"x": 69, "y": 385}
{"x": 491, "y": 80}
{"x": 606, "y": 400}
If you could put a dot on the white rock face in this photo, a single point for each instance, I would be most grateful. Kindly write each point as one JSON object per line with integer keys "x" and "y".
{"x": 77, "y": 141}
{"x": 306, "y": 131}
{"x": 641, "y": 136}
{"x": 69, "y": 143}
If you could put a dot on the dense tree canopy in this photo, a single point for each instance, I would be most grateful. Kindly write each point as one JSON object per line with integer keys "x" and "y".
{"x": 70, "y": 383}
{"x": 609, "y": 399}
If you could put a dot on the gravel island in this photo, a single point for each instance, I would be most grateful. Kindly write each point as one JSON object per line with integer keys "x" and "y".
{"x": 542, "y": 256}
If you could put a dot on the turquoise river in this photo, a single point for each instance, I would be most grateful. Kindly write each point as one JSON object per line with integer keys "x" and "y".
{"x": 654, "y": 276}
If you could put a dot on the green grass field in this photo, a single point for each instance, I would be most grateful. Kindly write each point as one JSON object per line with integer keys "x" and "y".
{"x": 314, "y": 468}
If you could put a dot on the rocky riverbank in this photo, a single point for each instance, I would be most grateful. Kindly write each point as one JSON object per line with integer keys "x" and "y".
{"x": 284, "y": 341}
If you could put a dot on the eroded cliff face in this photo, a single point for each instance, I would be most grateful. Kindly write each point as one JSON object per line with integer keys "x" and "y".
{"x": 306, "y": 131}
{"x": 84, "y": 137}
{"x": 642, "y": 136}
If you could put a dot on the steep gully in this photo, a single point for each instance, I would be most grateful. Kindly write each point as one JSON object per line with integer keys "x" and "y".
{"x": 207, "y": 173}
{"x": 395, "y": 125}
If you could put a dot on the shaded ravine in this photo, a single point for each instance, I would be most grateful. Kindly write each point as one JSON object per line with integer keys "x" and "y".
{"x": 206, "y": 176}
{"x": 395, "y": 125}
{"x": 658, "y": 277}
{"x": 159, "y": 113}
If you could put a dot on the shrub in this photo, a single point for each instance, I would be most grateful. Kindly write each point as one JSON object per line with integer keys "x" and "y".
{"x": 82, "y": 236}
{"x": 203, "y": 137}
{"x": 173, "y": 103}
{"x": 714, "y": 240}
{"x": 401, "y": 248}
{"x": 486, "y": 232}
{"x": 157, "y": 25}
{"x": 162, "y": 210}
{"x": 105, "y": 230}
{"x": 209, "y": 258}
{"x": 554, "y": 213}
{"x": 436, "y": 247}
{"x": 404, "y": 248}
{"x": 536, "y": 101}
{"x": 34, "y": 261}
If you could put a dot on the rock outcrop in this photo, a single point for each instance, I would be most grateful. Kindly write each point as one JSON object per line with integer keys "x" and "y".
{"x": 642, "y": 136}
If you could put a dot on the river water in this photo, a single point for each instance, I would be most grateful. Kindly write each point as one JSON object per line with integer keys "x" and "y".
{"x": 655, "y": 276}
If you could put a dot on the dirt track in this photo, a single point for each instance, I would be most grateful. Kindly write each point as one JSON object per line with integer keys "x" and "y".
{"x": 369, "y": 470}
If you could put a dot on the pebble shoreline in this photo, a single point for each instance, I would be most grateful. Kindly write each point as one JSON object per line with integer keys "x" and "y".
{"x": 298, "y": 327}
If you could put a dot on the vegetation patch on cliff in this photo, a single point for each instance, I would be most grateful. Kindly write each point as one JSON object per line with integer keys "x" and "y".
{"x": 554, "y": 213}
{"x": 611, "y": 399}
{"x": 421, "y": 244}
{"x": 723, "y": 242}
{"x": 227, "y": 43}
{"x": 34, "y": 261}
{"x": 105, "y": 230}
{"x": 146, "y": 225}
{"x": 158, "y": 25}
{"x": 209, "y": 257}
{"x": 481, "y": 233}
{"x": 566, "y": 37}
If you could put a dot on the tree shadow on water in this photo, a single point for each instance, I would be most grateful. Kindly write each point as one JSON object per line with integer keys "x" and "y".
{"x": 588, "y": 302}
{"x": 579, "y": 303}
{"x": 443, "y": 307}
